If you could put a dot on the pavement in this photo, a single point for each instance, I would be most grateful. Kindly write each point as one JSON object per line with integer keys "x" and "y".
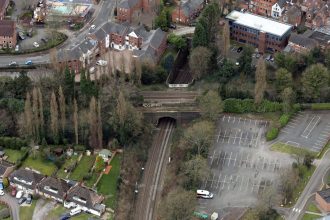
{"x": 42, "y": 209}
{"x": 13, "y": 205}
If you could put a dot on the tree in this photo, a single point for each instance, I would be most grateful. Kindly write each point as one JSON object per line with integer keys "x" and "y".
{"x": 198, "y": 137}
{"x": 227, "y": 71}
{"x": 20, "y": 85}
{"x": 288, "y": 62}
{"x": 75, "y": 120}
{"x": 162, "y": 21}
{"x": 288, "y": 99}
{"x": 62, "y": 109}
{"x": 178, "y": 41}
{"x": 99, "y": 125}
{"x": 261, "y": 81}
{"x": 54, "y": 118}
{"x": 226, "y": 39}
{"x": 245, "y": 61}
{"x": 28, "y": 117}
{"x": 41, "y": 115}
{"x": 211, "y": 15}
{"x": 210, "y": 105}
{"x": 314, "y": 79}
{"x": 68, "y": 87}
{"x": 200, "y": 37}
{"x": 99, "y": 164}
{"x": 92, "y": 121}
{"x": 289, "y": 179}
{"x": 283, "y": 79}
{"x": 196, "y": 170}
{"x": 35, "y": 115}
{"x": 199, "y": 61}
{"x": 178, "y": 205}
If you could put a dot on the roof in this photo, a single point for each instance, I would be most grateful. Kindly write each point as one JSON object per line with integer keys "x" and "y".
{"x": 54, "y": 187}
{"x": 127, "y": 4}
{"x": 321, "y": 38}
{"x": 105, "y": 152}
{"x": 3, "y": 5}
{"x": 302, "y": 40}
{"x": 281, "y": 3}
{"x": 7, "y": 28}
{"x": 325, "y": 194}
{"x": 4, "y": 165}
{"x": 259, "y": 23}
{"x": 84, "y": 197}
{"x": 26, "y": 178}
{"x": 190, "y": 6}
{"x": 157, "y": 38}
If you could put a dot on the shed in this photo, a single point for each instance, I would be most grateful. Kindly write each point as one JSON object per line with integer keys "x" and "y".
{"x": 105, "y": 154}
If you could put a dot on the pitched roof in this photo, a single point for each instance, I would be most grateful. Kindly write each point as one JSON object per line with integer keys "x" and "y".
{"x": 3, "y": 5}
{"x": 26, "y": 178}
{"x": 190, "y": 6}
{"x": 105, "y": 152}
{"x": 54, "y": 187}
{"x": 85, "y": 197}
{"x": 4, "y": 165}
{"x": 281, "y": 3}
{"x": 7, "y": 28}
{"x": 127, "y": 4}
{"x": 325, "y": 194}
{"x": 302, "y": 40}
{"x": 157, "y": 38}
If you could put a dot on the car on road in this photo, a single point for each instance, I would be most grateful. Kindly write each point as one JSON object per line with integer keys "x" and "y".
{"x": 101, "y": 63}
{"x": 29, "y": 199}
{"x": 35, "y": 44}
{"x": 28, "y": 62}
{"x": 204, "y": 194}
{"x": 17, "y": 48}
{"x": 239, "y": 49}
{"x": 92, "y": 27}
{"x": 21, "y": 200}
{"x": 19, "y": 194}
{"x": 173, "y": 26}
{"x": 12, "y": 63}
{"x": 2, "y": 193}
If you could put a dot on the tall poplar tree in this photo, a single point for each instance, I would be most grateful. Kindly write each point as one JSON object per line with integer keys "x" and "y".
{"x": 62, "y": 109}
{"x": 261, "y": 81}
{"x": 99, "y": 125}
{"x": 41, "y": 115}
{"x": 54, "y": 118}
{"x": 92, "y": 120}
{"x": 28, "y": 117}
{"x": 35, "y": 113}
{"x": 75, "y": 121}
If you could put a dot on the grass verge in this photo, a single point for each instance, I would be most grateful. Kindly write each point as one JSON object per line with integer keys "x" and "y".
{"x": 306, "y": 175}
{"x": 289, "y": 149}
{"x": 26, "y": 212}
{"x": 313, "y": 208}
{"x": 307, "y": 216}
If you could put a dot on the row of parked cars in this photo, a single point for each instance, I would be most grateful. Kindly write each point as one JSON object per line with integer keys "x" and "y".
{"x": 21, "y": 196}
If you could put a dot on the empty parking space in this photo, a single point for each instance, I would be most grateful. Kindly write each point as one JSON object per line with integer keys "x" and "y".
{"x": 310, "y": 130}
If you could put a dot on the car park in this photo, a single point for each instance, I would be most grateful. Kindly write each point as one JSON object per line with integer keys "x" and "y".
{"x": 239, "y": 49}
{"x": 35, "y": 44}
{"x": 19, "y": 194}
{"x": 21, "y": 200}
{"x": 101, "y": 63}
{"x": 29, "y": 199}
{"x": 28, "y": 62}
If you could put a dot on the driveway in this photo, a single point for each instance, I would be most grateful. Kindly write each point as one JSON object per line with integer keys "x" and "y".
{"x": 13, "y": 205}
{"x": 42, "y": 209}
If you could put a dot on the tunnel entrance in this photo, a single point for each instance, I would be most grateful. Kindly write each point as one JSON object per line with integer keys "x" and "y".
{"x": 166, "y": 119}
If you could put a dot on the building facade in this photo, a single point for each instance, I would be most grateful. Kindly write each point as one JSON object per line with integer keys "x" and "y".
{"x": 323, "y": 199}
{"x": 8, "y": 37}
{"x": 278, "y": 9}
{"x": 186, "y": 12}
{"x": 262, "y": 33}
{"x": 3, "y": 8}
{"x": 264, "y": 7}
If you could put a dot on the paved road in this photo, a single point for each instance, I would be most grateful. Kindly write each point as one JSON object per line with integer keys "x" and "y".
{"x": 103, "y": 14}
{"x": 312, "y": 186}
{"x": 13, "y": 205}
{"x": 151, "y": 187}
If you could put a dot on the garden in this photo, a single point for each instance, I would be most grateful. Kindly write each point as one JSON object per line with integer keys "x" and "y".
{"x": 82, "y": 170}
{"x": 37, "y": 162}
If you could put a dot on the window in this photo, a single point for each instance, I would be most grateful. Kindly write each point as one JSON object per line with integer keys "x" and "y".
{"x": 50, "y": 189}
{"x": 79, "y": 199}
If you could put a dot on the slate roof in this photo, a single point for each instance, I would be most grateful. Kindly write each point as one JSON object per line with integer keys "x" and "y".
{"x": 54, "y": 185}
{"x": 91, "y": 198}
{"x": 128, "y": 4}
{"x": 190, "y": 6}
{"x": 7, "y": 28}
{"x": 29, "y": 179}
{"x": 302, "y": 40}
{"x": 4, "y": 165}
{"x": 281, "y": 3}
{"x": 3, "y": 5}
{"x": 325, "y": 194}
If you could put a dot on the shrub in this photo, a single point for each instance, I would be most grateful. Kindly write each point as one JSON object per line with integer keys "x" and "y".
{"x": 88, "y": 176}
{"x": 321, "y": 106}
{"x": 232, "y": 105}
{"x": 284, "y": 119}
{"x": 272, "y": 133}
{"x": 79, "y": 148}
{"x": 12, "y": 143}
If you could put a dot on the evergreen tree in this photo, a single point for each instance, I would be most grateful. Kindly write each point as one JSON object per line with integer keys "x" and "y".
{"x": 75, "y": 120}
{"x": 54, "y": 118}
{"x": 28, "y": 117}
{"x": 92, "y": 120}
{"x": 62, "y": 109}
{"x": 200, "y": 37}
{"x": 68, "y": 83}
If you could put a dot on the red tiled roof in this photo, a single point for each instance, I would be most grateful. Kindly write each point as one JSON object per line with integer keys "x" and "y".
{"x": 7, "y": 28}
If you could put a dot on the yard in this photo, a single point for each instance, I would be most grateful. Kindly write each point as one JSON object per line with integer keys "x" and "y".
{"x": 108, "y": 183}
{"x": 286, "y": 148}
{"x": 313, "y": 208}
{"x": 26, "y": 212}
{"x": 83, "y": 167}
{"x": 13, "y": 155}
{"x": 41, "y": 164}
{"x": 68, "y": 163}
{"x": 60, "y": 210}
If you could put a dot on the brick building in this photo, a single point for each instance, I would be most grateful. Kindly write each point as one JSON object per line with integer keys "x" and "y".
{"x": 301, "y": 44}
{"x": 8, "y": 36}
{"x": 263, "y": 7}
{"x": 3, "y": 8}
{"x": 265, "y": 34}
{"x": 292, "y": 15}
{"x": 323, "y": 199}
{"x": 187, "y": 11}
{"x": 127, "y": 8}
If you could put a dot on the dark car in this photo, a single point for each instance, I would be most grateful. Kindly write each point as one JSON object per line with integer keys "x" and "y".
{"x": 29, "y": 199}
{"x": 239, "y": 49}
{"x": 44, "y": 40}
{"x": 173, "y": 26}
{"x": 21, "y": 200}
{"x": 65, "y": 216}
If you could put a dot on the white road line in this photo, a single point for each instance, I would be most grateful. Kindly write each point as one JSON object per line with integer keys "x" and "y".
{"x": 219, "y": 158}
{"x": 218, "y": 181}
{"x": 310, "y": 130}
{"x": 224, "y": 159}
{"x": 235, "y": 160}
{"x": 212, "y": 157}
{"x": 240, "y": 186}
{"x": 235, "y": 137}
{"x": 224, "y": 181}
{"x": 228, "y": 119}
{"x": 234, "y": 120}
{"x": 229, "y": 158}
{"x": 223, "y": 118}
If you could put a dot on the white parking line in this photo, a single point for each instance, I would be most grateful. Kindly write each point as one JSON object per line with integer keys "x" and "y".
{"x": 309, "y": 130}
{"x": 235, "y": 137}
{"x": 228, "y": 119}
{"x": 224, "y": 159}
{"x": 219, "y": 158}
{"x": 240, "y": 187}
{"x": 235, "y": 159}
{"x": 234, "y": 120}
{"x": 212, "y": 157}
{"x": 230, "y": 180}
{"x": 229, "y": 158}
{"x": 218, "y": 181}
{"x": 212, "y": 181}
{"x": 224, "y": 181}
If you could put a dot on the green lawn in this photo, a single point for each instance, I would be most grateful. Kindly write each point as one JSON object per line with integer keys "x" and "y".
{"x": 68, "y": 162}
{"x": 26, "y": 212}
{"x": 44, "y": 166}
{"x": 82, "y": 168}
{"x": 310, "y": 217}
{"x": 13, "y": 155}
{"x": 324, "y": 149}
{"x": 108, "y": 183}
{"x": 289, "y": 149}
{"x": 92, "y": 180}
{"x": 313, "y": 208}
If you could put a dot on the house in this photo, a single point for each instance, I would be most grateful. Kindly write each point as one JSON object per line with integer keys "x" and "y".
{"x": 317, "y": 13}
{"x": 3, "y": 8}
{"x": 8, "y": 36}
{"x": 263, "y": 7}
{"x": 321, "y": 36}
{"x": 265, "y": 34}
{"x": 301, "y": 44}
{"x": 292, "y": 15}
{"x": 86, "y": 199}
{"x": 25, "y": 179}
{"x": 187, "y": 11}
{"x": 278, "y": 8}
{"x": 53, "y": 188}
{"x": 105, "y": 154}
{"x": 323, "y": 199}
{"x": 5, "y": 169}
{"x": 127, "y": 8}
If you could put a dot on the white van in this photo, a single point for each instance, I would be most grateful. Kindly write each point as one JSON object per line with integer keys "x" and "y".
{"x": 204, "y": 194}
{"x": 75, "y": 211}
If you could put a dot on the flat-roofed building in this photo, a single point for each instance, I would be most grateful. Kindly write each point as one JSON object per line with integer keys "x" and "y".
{"x": 263, "y": 33}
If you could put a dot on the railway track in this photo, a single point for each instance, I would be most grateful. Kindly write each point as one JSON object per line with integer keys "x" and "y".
{"x": 151, "y": 187}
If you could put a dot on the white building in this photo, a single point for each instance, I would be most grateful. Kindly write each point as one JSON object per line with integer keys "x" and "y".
{"x": 278, "y": 9}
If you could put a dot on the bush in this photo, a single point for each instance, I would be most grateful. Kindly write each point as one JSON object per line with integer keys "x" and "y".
{"x": 79, "y": 148}
{"x": 247, "y": 105}
{"x": 321, "y": 106}
{"x": 284, "y": 119}
{"x": 88, "y": 176}
{"x": 272, "y": 133}
{"x": 12, "y": 143}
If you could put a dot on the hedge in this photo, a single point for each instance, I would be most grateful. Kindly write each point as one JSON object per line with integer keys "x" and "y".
{"x": 233, "y": 105}
{"x": 321, "y": 106}
{"x": 284, "y": 119}
{"x": 272, "y": 133}
{"x": 12, "y": 142}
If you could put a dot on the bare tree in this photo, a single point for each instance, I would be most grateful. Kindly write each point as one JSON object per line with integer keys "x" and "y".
{"x": 62, "y": 108}
{"x": 28, "y": 116}
{"x": 261, "y": 81}
{"x": 199, "y": 61}
{"x": 226, "y": 39}
{"x": 75, "y": 120}
{"x": 35, "y": 113}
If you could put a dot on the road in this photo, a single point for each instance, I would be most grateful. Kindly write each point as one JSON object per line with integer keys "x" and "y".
{"x": 102, "y": 15}
{"x": 151, "y": 187}
{"x": 13, "y": 205}
{"x": 312, "y": 186}
{"x": 170, "y": 97}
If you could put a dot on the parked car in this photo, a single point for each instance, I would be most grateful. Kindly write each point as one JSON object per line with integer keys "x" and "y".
{"x": 257, "y": 55}
{"x": 44, "y": 40}
{"x": 35, "y": 44}
{"x": 21, "y": 200}
{"x": 28, "y": 62}
{"x": 13, "y": 192}
{"x": 268, "y": 58}
{"x": 19, "y": 194}
{"x": 17, "y": 48}
{"x": 12, "y": 63}
{"x": 101, "y": 63}
{"x": 65, "y": 216}
{"x": 29, "y": 199}
{"x": 173, "y": 26}
{"x": 2, "y": 193}
{"x": 93, "y": 27}
{"x": 204, "y": 194}
{"x": 239, "y": 49}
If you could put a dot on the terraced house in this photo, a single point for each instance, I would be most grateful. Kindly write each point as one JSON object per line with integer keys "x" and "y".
{"x": 8, "y": 36}
{"x": 187, "y": 11}
{"x": 53, "y": 188}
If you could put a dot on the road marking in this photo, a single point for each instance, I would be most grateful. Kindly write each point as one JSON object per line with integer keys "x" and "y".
{"x": 234, "y": 120}
{"x": 229, "y": 158}
{"x": 235, "y": 160}
{"x": 223, "y": 118}
{"x": 224, "y": 181}
{"x": 231, "y": 178}
{"x": 240, "y": 187}
{"x": 224, "y": 159}
{"x": 219, "y": 158}
{"x": 218, "y": 181}
{"x": 235, "y": 137}
{"x": 311, "y": 129}
{"x": 212, "y": 157}
{"x": 228, "y": 119}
